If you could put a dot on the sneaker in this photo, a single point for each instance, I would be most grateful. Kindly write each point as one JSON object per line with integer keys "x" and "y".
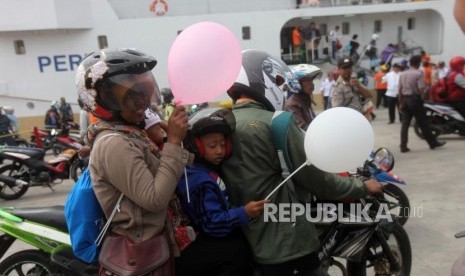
{"x": 437, "y": 144}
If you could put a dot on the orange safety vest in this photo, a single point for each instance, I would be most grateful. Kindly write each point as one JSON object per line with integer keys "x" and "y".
{"x": 296, "y": 37}
{"x": 378, "y": 81}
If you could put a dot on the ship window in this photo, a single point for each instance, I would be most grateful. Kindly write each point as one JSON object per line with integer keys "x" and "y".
{"x": 345, "y": 28}
{"x": 378, "y": 26}
{"x": 411, "y": 23}
{"x": 20, "y": 49}
{"x": 102, "y": 41}
{"x": 323, "y": 29}
{"x": 246, "y": 33}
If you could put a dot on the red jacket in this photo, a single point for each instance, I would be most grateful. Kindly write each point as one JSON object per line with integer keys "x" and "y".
{"x": 454, "y": 92}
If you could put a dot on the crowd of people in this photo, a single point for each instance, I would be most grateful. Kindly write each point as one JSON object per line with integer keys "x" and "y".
{"x": 231, "y": 166}
{"x": 405, "y": 85}
{"x": 307, "y": 44}
{"x": 231, "y": 161}
{"x": 221, "y": 166}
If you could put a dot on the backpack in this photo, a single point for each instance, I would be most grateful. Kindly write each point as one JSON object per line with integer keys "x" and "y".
{"x": 439, "y": 90}
{"x": 279, "y": 129}
{"x": 84, "y": 218}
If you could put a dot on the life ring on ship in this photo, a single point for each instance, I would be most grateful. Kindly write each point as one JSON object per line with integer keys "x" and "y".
{"x": 311, "y": 3}
{"x": 159, "y": 7}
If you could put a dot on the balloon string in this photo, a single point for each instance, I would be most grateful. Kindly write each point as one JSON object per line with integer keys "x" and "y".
{"x": 185, "y": 178}
{"x": 287, "y": 178}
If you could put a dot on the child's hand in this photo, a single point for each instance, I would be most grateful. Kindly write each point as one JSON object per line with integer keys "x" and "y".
{"x": 177, "y": 126}
{"x": 254, "y": 208}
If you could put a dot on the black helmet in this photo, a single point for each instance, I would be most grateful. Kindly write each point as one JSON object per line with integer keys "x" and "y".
{"x": 209, "y": 120}
{"x": 101, "y": 71}
{"x": 264, "y": 78}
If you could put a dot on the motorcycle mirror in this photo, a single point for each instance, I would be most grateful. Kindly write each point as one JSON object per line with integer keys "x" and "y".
{"x": 384, "y": 159}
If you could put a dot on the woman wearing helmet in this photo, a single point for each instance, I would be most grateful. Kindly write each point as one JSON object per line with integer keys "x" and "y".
{"x": 220, "y": 248}
{"x": 116, "y": 85}
{"x": 254, "y": 169}
{"x": 300, "y": 104}
{"x": 456, "y": 84}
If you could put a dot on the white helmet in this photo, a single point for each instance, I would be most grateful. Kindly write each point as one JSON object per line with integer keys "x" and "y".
{"x": 307, "y": 71}
{"x": 9, "y": 109}
{"x": 264, "y": 78}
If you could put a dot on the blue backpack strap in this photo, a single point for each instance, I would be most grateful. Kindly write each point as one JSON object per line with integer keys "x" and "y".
{"x": 279, "y": 130}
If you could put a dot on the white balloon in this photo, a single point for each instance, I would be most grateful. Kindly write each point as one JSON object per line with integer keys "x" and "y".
{"x": 338, "y": 140}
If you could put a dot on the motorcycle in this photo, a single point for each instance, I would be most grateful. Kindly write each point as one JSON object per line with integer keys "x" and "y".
{"x": 371, "y": 247}
{"x": 28, "y": 165}
{"x": 7, "y": 180}
{"x": 381, "y": 170}
{"x": 56, "y": 140}
{"x": 443, "y": 119}
{"x": 45, "y": 229}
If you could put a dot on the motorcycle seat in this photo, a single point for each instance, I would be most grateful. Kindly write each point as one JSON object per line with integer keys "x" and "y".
{"x": 53, "y": 216}
{"x": 35, "y": 153}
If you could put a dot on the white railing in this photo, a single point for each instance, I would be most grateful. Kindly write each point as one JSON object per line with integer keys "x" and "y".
{"x": 335, "y": 3}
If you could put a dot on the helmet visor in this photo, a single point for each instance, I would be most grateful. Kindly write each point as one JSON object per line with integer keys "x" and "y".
{"x": 130, "y": 92}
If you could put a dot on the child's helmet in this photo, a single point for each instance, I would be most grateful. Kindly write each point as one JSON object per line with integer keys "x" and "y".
{"x": 209, "y": 120}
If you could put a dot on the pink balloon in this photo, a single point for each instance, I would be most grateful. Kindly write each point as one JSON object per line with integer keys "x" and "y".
{"x": 204, "y": 61}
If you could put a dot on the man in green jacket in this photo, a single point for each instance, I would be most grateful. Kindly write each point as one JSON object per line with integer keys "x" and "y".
{"x": 253, "y": 171}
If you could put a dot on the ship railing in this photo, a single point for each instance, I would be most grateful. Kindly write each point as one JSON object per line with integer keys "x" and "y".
{"x": 334, "y": 3}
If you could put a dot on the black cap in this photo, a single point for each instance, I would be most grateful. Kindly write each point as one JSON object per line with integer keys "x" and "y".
{"x": 345, "y": 62}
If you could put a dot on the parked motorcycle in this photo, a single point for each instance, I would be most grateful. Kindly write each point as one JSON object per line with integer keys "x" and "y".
{"x": 443, "y": 119}
{"x": 28, "y": 165}
{"x": 44, "y": 229}
{"x": 7, "y": 180}
{"x": 56, "y": 140}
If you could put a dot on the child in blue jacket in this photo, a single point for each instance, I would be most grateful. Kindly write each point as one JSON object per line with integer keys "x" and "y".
{"x": 219, "y": 248}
